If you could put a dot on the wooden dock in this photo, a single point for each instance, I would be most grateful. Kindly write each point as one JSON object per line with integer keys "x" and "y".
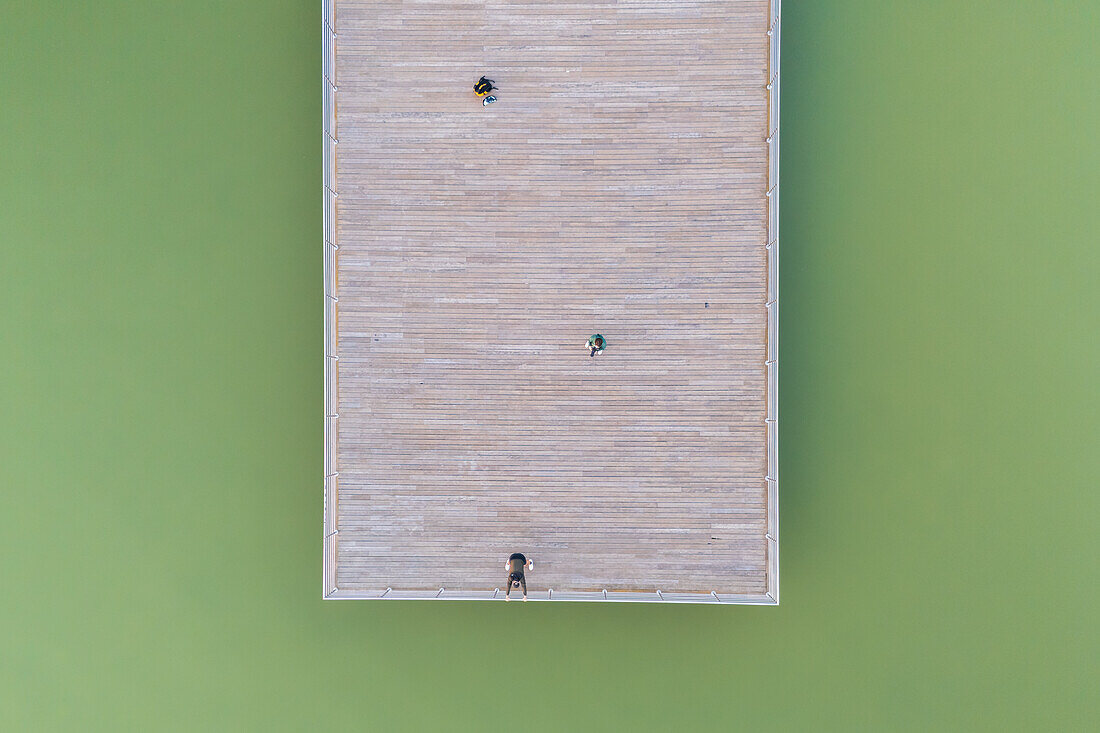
{"x": 618, "y": 187}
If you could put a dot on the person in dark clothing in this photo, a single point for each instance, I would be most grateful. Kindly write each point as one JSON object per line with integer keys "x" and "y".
{"x": 483, "y": 86}
{"x": 515, "y": 566}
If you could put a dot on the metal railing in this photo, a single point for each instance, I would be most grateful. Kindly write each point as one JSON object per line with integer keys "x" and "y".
{"x": 330, "y": 246}
{"x": 497, "y": 594}
{"x": 771, "y": 364}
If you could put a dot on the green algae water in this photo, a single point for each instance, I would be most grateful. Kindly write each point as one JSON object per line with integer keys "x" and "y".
{"x": 160, "y": 395}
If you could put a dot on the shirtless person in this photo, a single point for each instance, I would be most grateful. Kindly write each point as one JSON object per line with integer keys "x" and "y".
{"x": 515, "y": 565}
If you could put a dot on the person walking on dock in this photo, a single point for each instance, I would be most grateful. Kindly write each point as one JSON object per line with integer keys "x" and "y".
{"x": 515, "y": 566}
{"x": 595, "y": 344}
{"x": 484, "y": 86}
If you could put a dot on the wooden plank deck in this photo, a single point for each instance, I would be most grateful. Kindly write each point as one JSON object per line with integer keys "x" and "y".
{"x": 617, "y": 186}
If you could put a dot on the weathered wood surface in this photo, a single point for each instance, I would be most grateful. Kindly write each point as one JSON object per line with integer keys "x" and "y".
{"x": 617, "y": 186}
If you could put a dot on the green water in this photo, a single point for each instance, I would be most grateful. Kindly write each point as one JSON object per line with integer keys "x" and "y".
{"x": 160, "y": 394}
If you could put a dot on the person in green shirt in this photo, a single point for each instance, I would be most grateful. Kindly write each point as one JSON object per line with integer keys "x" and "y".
{"x": 515, "y": 566}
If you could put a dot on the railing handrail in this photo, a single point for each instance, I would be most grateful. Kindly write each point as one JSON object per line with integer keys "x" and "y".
{"x": 632, "y": 596}
{"x": 329, "y": 248}
{"x": 771, "y": 362}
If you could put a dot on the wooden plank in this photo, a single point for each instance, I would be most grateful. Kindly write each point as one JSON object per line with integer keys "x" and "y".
{"x": 617, "y": 186}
